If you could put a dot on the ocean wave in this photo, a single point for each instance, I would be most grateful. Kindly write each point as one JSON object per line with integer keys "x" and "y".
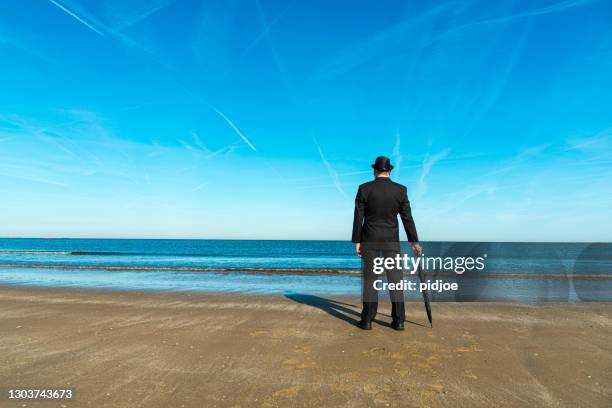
{"x": 319, "y": 271}
{"x": 178, "y": 254}
{"x": 2, "y": 252}
{"x": 34, "y": 252}
{"x": 191, "y": 268}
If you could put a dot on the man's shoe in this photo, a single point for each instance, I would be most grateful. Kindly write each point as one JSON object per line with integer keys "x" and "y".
{"x": 363, "y": 325}
{"x": 397, "y": 326}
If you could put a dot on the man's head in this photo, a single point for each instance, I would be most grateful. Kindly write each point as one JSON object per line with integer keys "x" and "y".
{"x": 382, "y": 167}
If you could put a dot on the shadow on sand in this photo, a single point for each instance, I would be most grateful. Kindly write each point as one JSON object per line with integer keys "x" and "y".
{"x": 340, "y": 310}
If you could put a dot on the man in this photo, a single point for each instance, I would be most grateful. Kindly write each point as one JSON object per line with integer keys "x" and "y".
{"x": 376, "y": 234}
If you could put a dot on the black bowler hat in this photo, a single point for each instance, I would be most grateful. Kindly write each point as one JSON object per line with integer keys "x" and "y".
{"x": 382, "y": 163}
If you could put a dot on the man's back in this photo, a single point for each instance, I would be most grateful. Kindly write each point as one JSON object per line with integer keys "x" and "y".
{"x": 377, "y": 206}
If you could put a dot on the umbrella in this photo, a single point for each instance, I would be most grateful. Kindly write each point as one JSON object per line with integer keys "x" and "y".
{"x": 426, "y": 298}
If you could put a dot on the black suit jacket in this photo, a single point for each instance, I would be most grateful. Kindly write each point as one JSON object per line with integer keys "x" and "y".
{"x": 377, "y": 206}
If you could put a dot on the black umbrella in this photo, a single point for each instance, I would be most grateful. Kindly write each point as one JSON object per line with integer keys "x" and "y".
{"x": 426, "y": 296}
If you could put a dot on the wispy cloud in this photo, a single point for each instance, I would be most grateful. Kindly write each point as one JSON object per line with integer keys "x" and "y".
{"x": 397, "y": 155}
{"x": 488, "y": 97}
{"x": 188, "y": 146}
{"x": 136, "y": 106}
{"x": 519, "y": 159}
{"x": 157, "y": 150}
{"x": 24, "y": 48}
{"x": 78, "y": 139}
{"x": 198, "y": 142}
{"x": 29, "y": 173}
{"x": 456, "y": 198}
{"x": 27, "y": 127}
{"x": 473, "y": 191}
{"x": 601, "y": 141}
{"x": 330, "y": 170}
{"x": 200, "y": 151}
{"x": 35, "y": 179}
{"x": 76, "y": 17}
{"x": 386, "y": 41}
{"x": 553, "y": 8}
{"x": 428, "y": 162}
{"x": 310, "y": 178}
{"x": 55, "y": 142}
{"x": 200, "y": 186}
{"x": 392, "y": 39}
{"x": 126, "y": 18}
{"x": 327, "y": 185}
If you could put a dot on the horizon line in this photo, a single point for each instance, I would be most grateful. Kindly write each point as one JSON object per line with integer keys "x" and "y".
{"x": 294, "y": 239}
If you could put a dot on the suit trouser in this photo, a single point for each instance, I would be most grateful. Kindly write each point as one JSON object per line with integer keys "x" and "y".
{"x": 370, "y": 294}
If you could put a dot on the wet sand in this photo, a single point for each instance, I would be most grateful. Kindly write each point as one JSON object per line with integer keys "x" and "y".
{"x": 132, "y": 349}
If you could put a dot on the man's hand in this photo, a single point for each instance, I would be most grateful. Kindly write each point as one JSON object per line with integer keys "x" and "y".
{"x": 358, "y": 248}
{"x": 416, "y": 248}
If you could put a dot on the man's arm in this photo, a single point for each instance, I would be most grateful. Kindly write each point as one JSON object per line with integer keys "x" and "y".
{"x": 408, "y": 221}
{"x": 358, "y": 216}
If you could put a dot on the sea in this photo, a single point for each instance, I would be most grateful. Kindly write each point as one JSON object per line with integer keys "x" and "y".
{"x": 518, "y": 272}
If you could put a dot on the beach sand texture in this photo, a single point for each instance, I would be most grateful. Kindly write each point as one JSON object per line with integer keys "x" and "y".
{"x": 132, "y": 349}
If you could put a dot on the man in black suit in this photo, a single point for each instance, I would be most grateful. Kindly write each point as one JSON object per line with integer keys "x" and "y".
{"x": 376, "y": 234}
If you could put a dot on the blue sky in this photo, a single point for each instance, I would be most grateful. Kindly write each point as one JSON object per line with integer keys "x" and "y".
{"x": 259, "y": 119}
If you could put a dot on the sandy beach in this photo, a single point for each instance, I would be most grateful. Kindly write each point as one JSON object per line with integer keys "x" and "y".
{"x": 133, "y": 349}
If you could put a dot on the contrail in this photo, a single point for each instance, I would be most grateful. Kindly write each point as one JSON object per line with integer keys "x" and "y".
{"x": 76, "y": 17}
{"x": 233, "y": 126}
{"x": 153, "y": 56}
{"x": 218, "y": 112}
{"x": 199, "y": 143}
{"x": 330, "y": 170}
{"x": 267, "y": 28}
{"x": 161, "y": 5}
{"x": 189, "y": 147}
{"x": 224, "y": 150}
{"x": 275, "y": 57}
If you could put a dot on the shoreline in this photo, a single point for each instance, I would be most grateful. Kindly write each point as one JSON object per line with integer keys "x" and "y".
{"x": 159, "y": 349}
